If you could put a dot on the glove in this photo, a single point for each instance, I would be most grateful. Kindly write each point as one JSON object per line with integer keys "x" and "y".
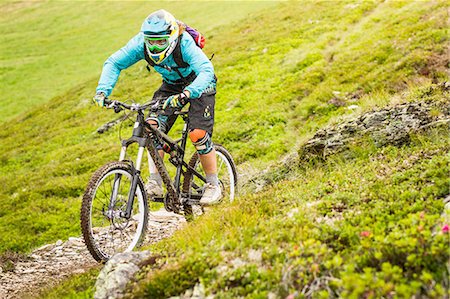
{"x": 99, "y": 99}
{"x": 176, "y": 101}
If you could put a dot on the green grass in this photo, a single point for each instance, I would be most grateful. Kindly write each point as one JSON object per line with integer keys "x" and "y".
{"x": 77, "y": 286}
{"x": 365, "y": 226}
{"x": 279, "y": 65}
{"x": 49, "y": 47}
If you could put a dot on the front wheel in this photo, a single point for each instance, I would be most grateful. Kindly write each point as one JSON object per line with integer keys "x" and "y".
{"x": 105, "y": 229}
{"x": 226, "y": 172}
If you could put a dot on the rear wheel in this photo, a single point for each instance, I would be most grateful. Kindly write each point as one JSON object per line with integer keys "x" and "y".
{"x": 226, "y": 172}
{"x": 105, "y": 229}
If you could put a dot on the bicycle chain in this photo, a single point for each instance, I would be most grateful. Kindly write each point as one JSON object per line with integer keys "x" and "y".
{"x": 171, "y": 201}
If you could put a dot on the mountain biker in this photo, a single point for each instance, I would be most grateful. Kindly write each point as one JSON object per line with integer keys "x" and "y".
{"x": 161, "y": 42}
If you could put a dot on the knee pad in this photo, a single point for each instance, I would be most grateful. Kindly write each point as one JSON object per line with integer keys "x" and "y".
{"x": 158, "y": 122}
{"x": 201, "y": 140}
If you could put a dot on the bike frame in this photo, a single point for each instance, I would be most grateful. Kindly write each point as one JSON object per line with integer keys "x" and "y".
{"x": 173, "y": 199}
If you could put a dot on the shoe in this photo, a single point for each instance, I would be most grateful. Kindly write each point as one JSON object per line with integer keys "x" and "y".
{"x": 154, "y": 189}
{"x": 211, "y": 195}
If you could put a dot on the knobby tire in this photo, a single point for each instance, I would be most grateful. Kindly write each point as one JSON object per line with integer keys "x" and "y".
{"x": 87, "y": 206}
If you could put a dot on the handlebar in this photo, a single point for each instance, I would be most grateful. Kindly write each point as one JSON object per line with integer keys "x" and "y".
{"x": 119, "y": 106}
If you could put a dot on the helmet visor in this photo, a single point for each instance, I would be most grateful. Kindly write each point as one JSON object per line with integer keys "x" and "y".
{"x": 156, "y": 43}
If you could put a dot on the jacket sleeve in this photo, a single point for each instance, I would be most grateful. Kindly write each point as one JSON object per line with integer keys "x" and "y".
{"x": 200, "y": 64}
{"x": 128, "y": 55}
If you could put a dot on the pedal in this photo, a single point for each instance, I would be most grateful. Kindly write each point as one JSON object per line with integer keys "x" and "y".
{"x": 190, "y": 199}
{"x": 157, "y": 199}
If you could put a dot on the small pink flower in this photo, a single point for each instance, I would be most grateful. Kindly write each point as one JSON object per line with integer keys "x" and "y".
{"x": 295, "y": 247}
{"x": 445, "y": 229}
{"x": 421, "y": 215}
{"x": 291, "y": 296}
{"x": 365, "y": 234}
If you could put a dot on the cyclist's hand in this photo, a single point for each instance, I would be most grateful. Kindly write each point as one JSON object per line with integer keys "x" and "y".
{"x": 176, "y": 101}
{"x": 99, "y": 99}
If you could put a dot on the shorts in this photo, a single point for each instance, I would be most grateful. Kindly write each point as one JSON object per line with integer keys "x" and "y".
{"x": 201, "y": 110}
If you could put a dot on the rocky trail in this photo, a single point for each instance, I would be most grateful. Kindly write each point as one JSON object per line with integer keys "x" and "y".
{"x": 51, "y": 263}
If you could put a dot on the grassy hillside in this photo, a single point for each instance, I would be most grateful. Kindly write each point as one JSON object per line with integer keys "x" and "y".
{"x": 365, "y": 227}
{"x": 49, "y": 47}
{"x": 284, "y": 72}
{"x": 49, "y": 151}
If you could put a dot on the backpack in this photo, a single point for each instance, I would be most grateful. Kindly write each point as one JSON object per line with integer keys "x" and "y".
{"x": 196, "y": 35}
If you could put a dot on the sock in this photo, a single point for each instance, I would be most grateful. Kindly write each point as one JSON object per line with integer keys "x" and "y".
{"x": 156, "y": 177}
{"x": 212, "y": 179}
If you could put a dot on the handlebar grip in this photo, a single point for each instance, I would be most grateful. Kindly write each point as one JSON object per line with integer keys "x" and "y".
{"x": 116, "y": 108}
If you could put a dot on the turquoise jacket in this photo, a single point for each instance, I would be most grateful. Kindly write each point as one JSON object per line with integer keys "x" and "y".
{"x": 133, "y": 52}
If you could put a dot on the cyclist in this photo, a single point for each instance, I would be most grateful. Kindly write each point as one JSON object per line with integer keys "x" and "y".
{"x": 188, "y": 76}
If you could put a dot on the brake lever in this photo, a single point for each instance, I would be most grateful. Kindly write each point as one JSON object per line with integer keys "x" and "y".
{"x": 113, "y": 105}
{"x": 155, "y": 107}
{"x": 117, "y": 109}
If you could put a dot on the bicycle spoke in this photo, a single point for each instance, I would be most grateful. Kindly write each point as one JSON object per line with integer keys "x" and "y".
{"x": 219, "y": 167}
{"x": 105, "y": 196}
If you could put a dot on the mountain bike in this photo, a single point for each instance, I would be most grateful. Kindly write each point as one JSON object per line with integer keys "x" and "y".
{"x": 115, "y": 210}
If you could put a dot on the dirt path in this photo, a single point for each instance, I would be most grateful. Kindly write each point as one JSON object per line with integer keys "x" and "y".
{"x": 51, "y": 263}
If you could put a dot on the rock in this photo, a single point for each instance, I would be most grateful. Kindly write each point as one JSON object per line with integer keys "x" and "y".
{"x": 46, "y": 247}
{"x": 237, "y": 263}
{"x": 118, "y": 271}
{"x": 199, "y": 291}
{"x": 272, "y": 296}
{"x": 392, "y": 126}
{"x": 163, "y": 216}
{"x": 59, "y": 243}
{"x": 255, "y": 255}
{"x": 292, "y": 213}
{"x": 375, "y": 119}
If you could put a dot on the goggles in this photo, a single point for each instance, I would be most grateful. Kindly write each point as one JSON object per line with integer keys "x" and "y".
{"x": 156, "y": 43}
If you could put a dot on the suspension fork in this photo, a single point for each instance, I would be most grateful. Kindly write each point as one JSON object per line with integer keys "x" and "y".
{"x": 138, "y": 133}
{"x": 136, "y": 172}
{"x": 117, "y": 179}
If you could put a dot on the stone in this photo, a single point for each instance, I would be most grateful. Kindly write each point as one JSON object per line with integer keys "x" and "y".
{"x": 272, "y": 296}
{"x": 237, "y": 263}
{"x": 255, "y": 255}
{"x": 46, "y": 247}
{"x": 375, "y": 119}
{"x": 118, "y": 271}
{"x": 162, "y": 215}
{"x": 199, "y": 291}
{"x": 292, "y": 213}
{"x": 387, "y": 126}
